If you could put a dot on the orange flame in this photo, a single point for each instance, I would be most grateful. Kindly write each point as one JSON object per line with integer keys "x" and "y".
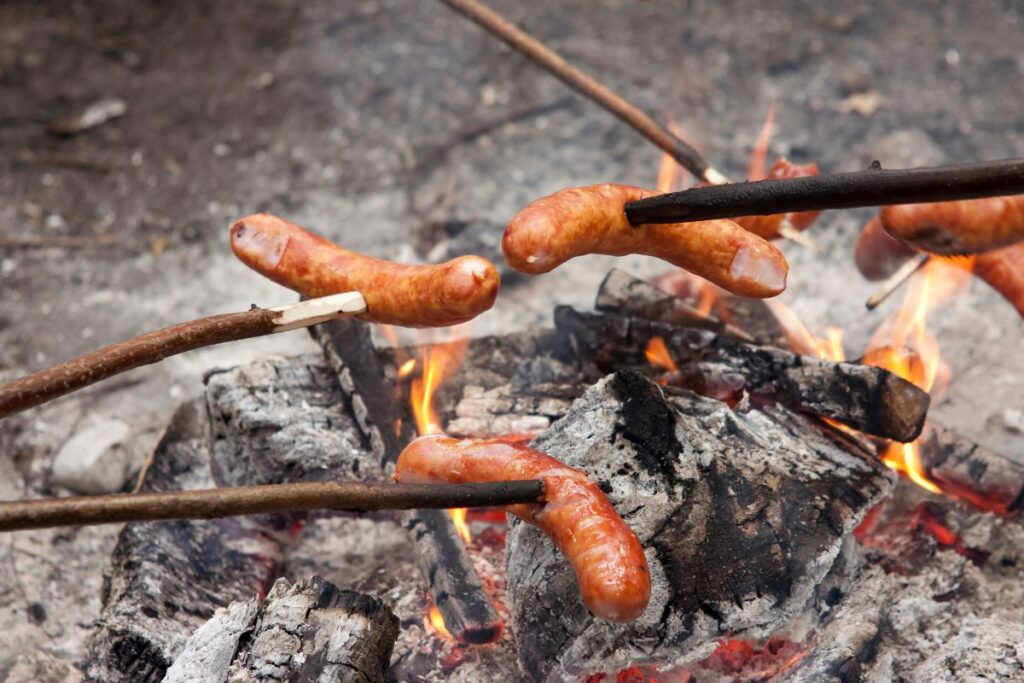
{"x": 435, "y": 622}
{"x": 829, "y": 347}
{"x": 458, "y": 516}
{"x": 903, "y": 345}
{"x": 657, "y": 354}
{"x": 757, "y": 167}
{"x": 438, "y": 362}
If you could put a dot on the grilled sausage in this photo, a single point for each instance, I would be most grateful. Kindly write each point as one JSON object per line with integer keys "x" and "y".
{"x": 592, "y": 220}
{"x": 608, "y": 559}
{"x": 1003, "y": 270}
{"x": 768, "y": 226}
{"x": 878, "y": 255}
{"x": 967, "y": 226}
{"x": 396, "y": 294}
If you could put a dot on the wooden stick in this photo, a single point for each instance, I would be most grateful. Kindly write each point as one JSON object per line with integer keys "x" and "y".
{"x": 248, "y": 500}
{"x": 896, "y": 280}
{"x": 46, "y": 385}
{"x": 873, "y": 187}
{"x": 586, "y": 85}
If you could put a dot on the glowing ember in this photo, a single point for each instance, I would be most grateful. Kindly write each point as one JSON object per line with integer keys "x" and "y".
{"x": 657, "y": 354}
{"x": 406, "y": 368}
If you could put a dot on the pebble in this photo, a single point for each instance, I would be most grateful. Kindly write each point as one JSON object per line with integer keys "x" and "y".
{"x": 95, "y": 460}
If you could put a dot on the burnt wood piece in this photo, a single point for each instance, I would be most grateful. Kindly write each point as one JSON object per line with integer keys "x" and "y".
{"x": 382, "y": 417}
{"x": 622, "y": 294}
{"x": 742, "y": 515}
{"x": 976, "y": 474}
{"x": 747, "y": 319}
{"x": 869, "y": 399}
{"x": 310, "y": 631}
{"x": 510, "y": 410}
{"x": 166, "y": 578}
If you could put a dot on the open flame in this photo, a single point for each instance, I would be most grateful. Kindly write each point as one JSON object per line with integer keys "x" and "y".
{"x": 435, "y": 622}
{"x": 657, "y": 355}
{"x": 904, "y": 346}
{"x": 437, "y": 362}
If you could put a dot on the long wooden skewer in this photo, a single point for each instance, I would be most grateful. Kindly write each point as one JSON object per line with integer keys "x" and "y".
{"x": 248, "y": 500}
{"x": 896, "y": 280}
{"x": 48, "y": 384}
{"x": 586, "y": 85}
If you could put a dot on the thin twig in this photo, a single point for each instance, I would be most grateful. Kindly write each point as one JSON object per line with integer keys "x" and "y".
{"x": 586, "y": 85}
{"x": 873, "y": 187}
{"x": 894, "y": 281}
{"x": 48, "y": 384}
{"x": 250, "y": 500}
{"x": 56, "y": 242}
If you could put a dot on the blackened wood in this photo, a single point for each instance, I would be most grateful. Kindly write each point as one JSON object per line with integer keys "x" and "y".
{"x": 748, "y": 319}
{"x": 309, "y": 632}
{"x": 166, "y": 578}
{"x": 742, "y": 514}
{"x": 976, "y": 474}
{"x": 872, "y": 187}
{"x": 869, "y": 399}
{"x": 621, "y": 293}
{"x": 454, "y": 585}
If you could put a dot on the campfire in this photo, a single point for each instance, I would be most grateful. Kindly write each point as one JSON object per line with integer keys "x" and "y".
{"x": 680, "y": 480}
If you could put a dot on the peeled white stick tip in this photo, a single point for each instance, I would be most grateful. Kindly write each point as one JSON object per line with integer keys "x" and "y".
{"x": 316, "y": 311}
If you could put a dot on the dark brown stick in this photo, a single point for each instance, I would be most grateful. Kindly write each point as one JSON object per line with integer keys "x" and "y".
{"x": 586, "y": 85}
{"x": 248, "y": 500}
{"x": 48, "y": 384}
{"x": 458, "y": 591}
{"x": 873, "y": 187}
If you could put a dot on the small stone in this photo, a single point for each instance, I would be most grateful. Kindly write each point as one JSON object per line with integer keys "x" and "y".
{"x": 95, "y": 460}
{"x": 37, "y": 666}
{"x": 1013, "y": 420}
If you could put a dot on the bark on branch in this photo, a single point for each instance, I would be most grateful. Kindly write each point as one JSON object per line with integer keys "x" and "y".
{"x": 249, "y": 500}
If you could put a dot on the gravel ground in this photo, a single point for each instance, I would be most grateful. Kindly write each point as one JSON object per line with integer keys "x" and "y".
{"x": 353, "y": 117}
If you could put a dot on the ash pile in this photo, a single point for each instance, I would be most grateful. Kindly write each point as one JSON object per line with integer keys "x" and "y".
{"x": 780, "y": 546}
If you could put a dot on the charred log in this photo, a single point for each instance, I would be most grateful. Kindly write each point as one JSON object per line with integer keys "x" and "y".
{"x": 458, "y": 592}
{"x": 869, "y": 399}
{"x": 980, "y": 476}
{"x": 166, "y": 578}
{"x": 742, "y": 515}
{"x": 622, "y": 294}
{"x": 310, "y": 631}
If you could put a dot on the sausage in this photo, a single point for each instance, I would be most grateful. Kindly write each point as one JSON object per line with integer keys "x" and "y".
{"x": 592, "y": 220}
{"x": 968, "y": 226}
{"x": 768, "y": 226}
{"x": 606, "y": 555}
{"x": 1003, "y": 270}
{"x": 784, "y": 168}
{"x": 412, "y": 296}
{"x": 878, "y": 255}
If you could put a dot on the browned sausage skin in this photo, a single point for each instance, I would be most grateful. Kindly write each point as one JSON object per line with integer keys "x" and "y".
{"x": 878, "y": 255}
{"x": 966, "y": 226}
{"x": 1003, "y": 270}
{"x": 592, "y": 220}
{"x": 609, "y": 561}
{"x": 412, "y": 296}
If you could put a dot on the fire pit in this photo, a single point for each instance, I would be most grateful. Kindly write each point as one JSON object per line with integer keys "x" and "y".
{"x": 821, "y": 493}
